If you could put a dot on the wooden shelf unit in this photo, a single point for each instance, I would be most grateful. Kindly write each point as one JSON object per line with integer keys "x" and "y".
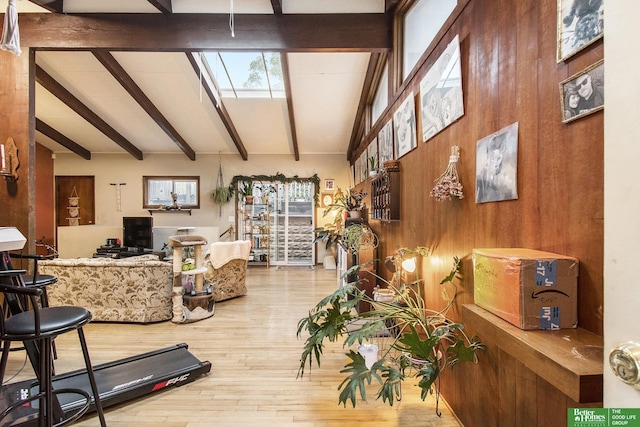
{"x": 568, "y": 359}
{"x": 385, "y": 196}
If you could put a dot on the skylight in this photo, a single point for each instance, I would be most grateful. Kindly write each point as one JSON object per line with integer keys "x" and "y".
{"x": 246, "y": 74}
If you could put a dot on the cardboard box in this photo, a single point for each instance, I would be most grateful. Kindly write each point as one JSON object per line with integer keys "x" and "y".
{"x": 530, "y": 289}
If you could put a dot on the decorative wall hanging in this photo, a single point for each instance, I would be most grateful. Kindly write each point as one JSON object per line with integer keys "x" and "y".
{"x": 10, "y": 160}
{"x": 580, "y": 23}
{"x": 582, "y": 93}
{"x": 448, "y": 184}
{"x": 404, "y": 124}
{"x": 497, "y": 166}
{"x": 441, "y": 92}
{"x": 73, "y": 209}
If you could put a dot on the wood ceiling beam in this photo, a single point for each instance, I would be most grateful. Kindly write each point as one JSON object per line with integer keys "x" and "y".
{"x": 374, "y": 69}
{"x": 277, "y": 7}
{"x": 54, "y": 6}
{"x": 287, "y": 90}
{"x": 163, "y": 6}
{"x": 119, "y": 73}
{"x": 61, "y": 139}
{"x": 347, "y": 32}
{"x": 50, "y": 84}
{"x": 222, "y": 111}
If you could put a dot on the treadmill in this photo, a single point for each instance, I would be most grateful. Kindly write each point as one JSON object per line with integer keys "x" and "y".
{"x": 118, "y": 382}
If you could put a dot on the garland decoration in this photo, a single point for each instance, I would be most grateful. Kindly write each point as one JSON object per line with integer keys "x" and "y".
{"x": 448, "y": 184}
{"x": 279, "y": 177}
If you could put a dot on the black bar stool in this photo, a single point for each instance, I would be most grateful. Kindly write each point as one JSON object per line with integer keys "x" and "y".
{"x": 37, "y": 326}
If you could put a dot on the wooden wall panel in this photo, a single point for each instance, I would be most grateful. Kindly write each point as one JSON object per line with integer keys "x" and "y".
{"x": 510, "y": 74}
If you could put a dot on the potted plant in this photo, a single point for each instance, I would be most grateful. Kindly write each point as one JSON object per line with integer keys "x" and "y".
{"x": 357, "y": 235}
{"x": 352, "y": 202}
{"x": 373, "y": 166}
{"x": 246, "y": 191}
{"x": 419, "y": 342}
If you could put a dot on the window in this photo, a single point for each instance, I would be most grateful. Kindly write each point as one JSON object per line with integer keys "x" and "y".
{"x": 157, "y": 192}
{"x": 381, "y": 97}
{"x": 421, "y": 24}
{"x": 246, "y": 74}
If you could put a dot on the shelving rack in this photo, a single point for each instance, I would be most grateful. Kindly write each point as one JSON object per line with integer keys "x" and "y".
{"x": 255, "y": 227}
{"x": 385, "y": 196}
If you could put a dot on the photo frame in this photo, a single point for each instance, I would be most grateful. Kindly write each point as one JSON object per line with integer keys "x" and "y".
{"x": 385, "y": 143}
{"x": 372, "y": 152}
{"x": 404, "y": 126}
{"x": 582, "y": 93}
{"x": 326, "y": 199}
{"x": 580, "y": 23}
{"x": 441, "y": 92}
{"x": 329, "y": 185}
{"x": 497, "y": 166}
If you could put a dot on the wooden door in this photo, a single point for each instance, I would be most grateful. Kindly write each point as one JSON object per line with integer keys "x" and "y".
{"x": 67, "y": 189}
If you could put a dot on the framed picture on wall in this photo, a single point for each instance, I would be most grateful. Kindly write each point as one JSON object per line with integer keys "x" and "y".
{"x": 329, "y": 184}
{"x": 497, "y": 166}
{"x": 326, "y": 199}
{"x": 404, "y": 124}
{"x": 583, "y": 93}
{"x": 372, "y": 153}
{"x": 385, "y": 143}
{"x": 580, "y": 23}
{"x": 441, "y": 92}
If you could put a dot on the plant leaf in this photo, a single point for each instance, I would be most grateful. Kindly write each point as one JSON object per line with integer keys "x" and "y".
{"x": 427, "y": 375}
{"x": 391, "y": 388}
{"x": 359, "y": 374}
{"x": 460, "y": 352}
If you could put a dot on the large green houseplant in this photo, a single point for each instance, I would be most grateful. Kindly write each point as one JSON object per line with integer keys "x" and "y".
{"x": 420, "y": 342}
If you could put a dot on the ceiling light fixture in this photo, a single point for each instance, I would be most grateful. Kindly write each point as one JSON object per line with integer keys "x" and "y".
{"x": 10, "y": 35}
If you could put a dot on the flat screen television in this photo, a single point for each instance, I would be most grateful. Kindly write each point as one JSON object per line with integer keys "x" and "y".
{"x": 137, "y": 232}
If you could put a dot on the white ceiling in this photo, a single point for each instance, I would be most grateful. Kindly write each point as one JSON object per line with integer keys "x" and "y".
{"x": 325, "y": 89}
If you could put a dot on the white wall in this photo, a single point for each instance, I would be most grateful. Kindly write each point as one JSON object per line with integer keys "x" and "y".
{"x": 122, "y": 168}
{"x": 621, "y": 190}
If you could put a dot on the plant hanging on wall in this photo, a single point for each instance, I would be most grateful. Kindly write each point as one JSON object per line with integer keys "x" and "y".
{"x": 448, "y": 184}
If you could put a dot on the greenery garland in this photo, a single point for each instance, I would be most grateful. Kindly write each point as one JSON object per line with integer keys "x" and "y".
{"x": 278, "y": 177}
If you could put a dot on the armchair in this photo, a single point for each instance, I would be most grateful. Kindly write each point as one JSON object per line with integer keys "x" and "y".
{"x": 226, "y": 264}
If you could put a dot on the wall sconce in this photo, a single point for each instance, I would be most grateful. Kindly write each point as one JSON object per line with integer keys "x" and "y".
{"x": 9, "y": 160}
{"x": 409, "y": 265}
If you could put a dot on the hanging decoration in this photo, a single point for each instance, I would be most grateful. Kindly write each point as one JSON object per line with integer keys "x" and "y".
{"x": 118, "y": 186}
{"x": 231, "y": 23}
{"x": 278, "y": 177}
{"x": 74, "y": 208}
{"x": 10, "y": 33}
{"x": 222, "y": 194}
{"x": 448, "y": 184}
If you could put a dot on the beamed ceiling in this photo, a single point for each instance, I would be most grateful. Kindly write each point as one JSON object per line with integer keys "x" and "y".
{"x": 124, "y": 76}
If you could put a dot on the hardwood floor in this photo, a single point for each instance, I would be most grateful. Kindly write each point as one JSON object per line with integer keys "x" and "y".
{"x": 252, "y": 345}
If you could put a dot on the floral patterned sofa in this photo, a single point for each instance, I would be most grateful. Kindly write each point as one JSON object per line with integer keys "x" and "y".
{"x": 135, "y": 289}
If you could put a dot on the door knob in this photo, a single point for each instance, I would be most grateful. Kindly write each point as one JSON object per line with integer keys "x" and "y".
{"x": 625, "y": 363}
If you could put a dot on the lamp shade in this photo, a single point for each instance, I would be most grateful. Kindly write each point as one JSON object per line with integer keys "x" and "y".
{"x": 409, "y": 265}
{"x": 11, "y": 239}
